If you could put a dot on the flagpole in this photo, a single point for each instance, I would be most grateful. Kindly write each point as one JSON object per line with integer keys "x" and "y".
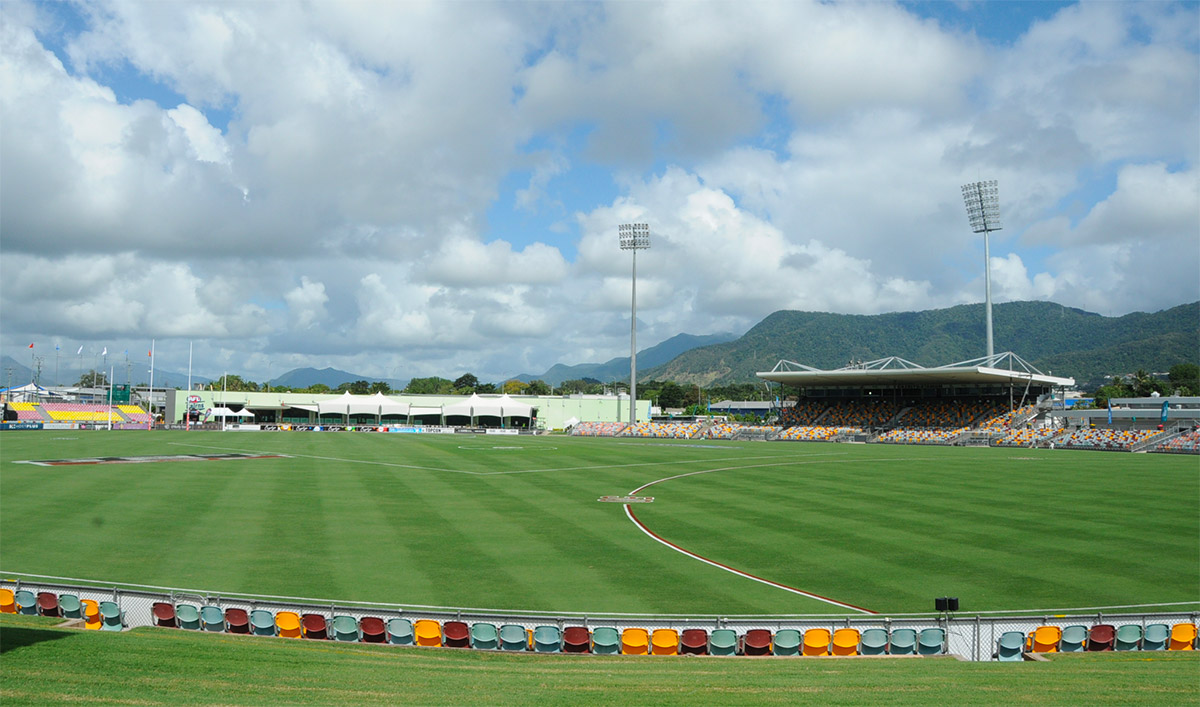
{"x": 150, "y": 396}
{"x": 187, "y": 412}
{"x": 110, "y": 375}
{"x": 57, "y": 381}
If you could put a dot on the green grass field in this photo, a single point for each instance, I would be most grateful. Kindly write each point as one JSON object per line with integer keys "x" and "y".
{"x": 149, "y": 666}
{"x": 514, "y": 523}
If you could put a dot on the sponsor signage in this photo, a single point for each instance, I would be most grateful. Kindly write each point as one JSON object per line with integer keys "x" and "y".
{"x": 60, "y": 425}
{"x": 20, "y": 425}
{"x": 502, "y": 432}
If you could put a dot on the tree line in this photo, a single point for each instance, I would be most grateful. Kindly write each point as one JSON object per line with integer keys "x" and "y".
{"x": 1182, "y": 379}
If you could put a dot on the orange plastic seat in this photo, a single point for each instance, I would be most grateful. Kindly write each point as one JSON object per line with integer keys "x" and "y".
{"x": 845, "y": 641}
{"x": 8, "y": 604}
{"x": 635, "y": 641}
{"x": 288, "y": 623}
{"x": 1183, "y": 637}
{"x": 428, "y": 632}
{"x": 91, "y": 614}
{"x": 1046, "y": 638}
{"x": 664, "y": 641}
{"x": 816, "y": 641}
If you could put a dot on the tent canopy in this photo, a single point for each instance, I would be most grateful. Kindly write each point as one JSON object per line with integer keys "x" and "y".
{"x": 477, "y": 406}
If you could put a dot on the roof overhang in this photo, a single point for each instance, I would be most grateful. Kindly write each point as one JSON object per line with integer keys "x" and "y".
{"x": 897, "y": 372}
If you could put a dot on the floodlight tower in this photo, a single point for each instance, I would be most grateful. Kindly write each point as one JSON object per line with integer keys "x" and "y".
{"x": 633, "y": 237}
{"x": 982, "y": 200}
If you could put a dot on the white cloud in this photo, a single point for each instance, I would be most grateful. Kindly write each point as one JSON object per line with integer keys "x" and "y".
{"x": 324, "y": 191}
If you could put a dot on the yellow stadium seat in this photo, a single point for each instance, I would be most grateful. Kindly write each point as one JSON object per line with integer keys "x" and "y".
{"x": 428, "y": 632}
{"x": 635, "y": 641}
{"x": 91, "y": 614}
{"x": 1183, "y": 637}
{"x": 288, "y": 623}
{"x": 665, "y": 641}
{"x": 845, "y": 641}
{"x": 1046, "y": 638}
{"x": 816, "y": 641}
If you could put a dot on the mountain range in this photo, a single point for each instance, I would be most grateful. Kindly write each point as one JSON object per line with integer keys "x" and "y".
{"x": 332, "y": 377}
{"x": 617, "y": 369}
{"x": 1056, "y": 339}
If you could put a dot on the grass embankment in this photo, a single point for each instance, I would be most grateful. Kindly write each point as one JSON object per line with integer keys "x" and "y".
{"x": 43, "y": 664}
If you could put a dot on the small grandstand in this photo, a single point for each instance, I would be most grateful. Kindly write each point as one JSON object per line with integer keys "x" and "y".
{"x": 998, "y": 401}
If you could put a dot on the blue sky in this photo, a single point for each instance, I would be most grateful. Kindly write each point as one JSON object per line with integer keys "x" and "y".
{"x": 407, "y": 190}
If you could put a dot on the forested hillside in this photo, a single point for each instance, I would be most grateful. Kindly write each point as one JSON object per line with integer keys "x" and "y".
{"x": 1069, "y": 342}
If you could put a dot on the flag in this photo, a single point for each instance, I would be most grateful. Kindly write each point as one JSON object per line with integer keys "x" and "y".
{"x": 150, "y": 353}
{"x": 31, "y": 346}
{"x": 105, "y": 351}
{"x": 1110, "y": 412}
{"x": 79, "y": 352}
{"x": 1164, "y": 410}
{"x": 56, "y": 347}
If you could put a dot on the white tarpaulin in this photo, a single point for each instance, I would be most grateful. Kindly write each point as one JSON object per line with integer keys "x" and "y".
{"x": 226, "y": 412}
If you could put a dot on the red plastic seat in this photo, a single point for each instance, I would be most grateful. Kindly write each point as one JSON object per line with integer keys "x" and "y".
{"x": 47, "y": 604}
{"x": 757, "y": 642}
{"x": 315, "y": 626}
{"x": 456, "y": 634}
{"x": 164, "y": 614}
{"x": 237, "y": 620}
{"x": 576, "y": 639}
{"x": 694, "y": 641}
{"x": 374, "y": 630}
{"x": 1101, "y": 637}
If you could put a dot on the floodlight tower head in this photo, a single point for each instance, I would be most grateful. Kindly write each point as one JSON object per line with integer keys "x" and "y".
{"x": 634, "y": 236}
{"x": 982, "y": 200}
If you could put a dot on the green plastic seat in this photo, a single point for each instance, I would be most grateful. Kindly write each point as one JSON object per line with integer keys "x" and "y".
{"x": 188, "y": 616}
{"x": 1011, "y": 647}
{"x": 932, "y": 641}
{"x": 400, "y": 632}
{"x": 111, "y": 618}
{"x": 787, "y": 642}
{"x": 513, "y": 638}
{"x": 345, "y": 628}
{"x": 1154, "y": 639}
{"x": 71, "y": 607}
{"x": 904, "y": 642}
{"x": 26, "y": 602}
{"x": 874, "y": 641}
{"x": 547, "y": 639}
{"x": 722, "y": 641}
{"x": 1074, "y": 639}
{"x": 262, "y": 622}
{"x": 212, "y": 618}
{"x": 485, "y": 637}
{"x": 1129, "y": 638}
{"x": 606, "y": 640}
